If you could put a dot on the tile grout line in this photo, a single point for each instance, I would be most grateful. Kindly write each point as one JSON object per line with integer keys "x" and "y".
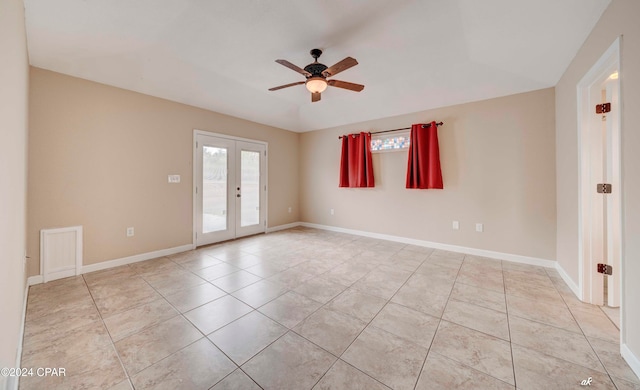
{"x": 506, "y": 307}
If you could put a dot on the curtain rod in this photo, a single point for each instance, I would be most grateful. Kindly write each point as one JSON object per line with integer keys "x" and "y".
{"x": 424, "y": 126}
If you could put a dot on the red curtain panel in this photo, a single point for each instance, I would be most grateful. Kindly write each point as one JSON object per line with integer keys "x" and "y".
{"x": 356, "y": 169}
{"x": 423, "y": 167}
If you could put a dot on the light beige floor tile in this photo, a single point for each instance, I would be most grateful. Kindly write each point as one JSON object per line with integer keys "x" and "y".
{"x": 533, "y": 290}
{"x": 441, "y": 373}
{"x": 265, "y": 269}
{"x": 170, "y": 282}
{"x": 290, "y": 363}
{"x": 246, "y": 336}
{"x": 613, "y": 313}
{"x": 43, "y": 351}
{"x": 260, "y": 293}
{"x": 609, "y": 354}
{"x": 235, "y": 281}
{"x": 150, "y": 267}
{"x": 124, "y": 385}
{"x": 104, "y": 288}
{"x": 621, "y": 384}
{"x": 291, "y": 277}
{"x": 412, "y": 325}
{"x": 216, "y": 271}
{"x": 216, "y": 314}
{"x": 595, "y": 324}
{"x": 347, "y": 273}
{"x": 187, "y": 256}
{"x": 483, "y": 262}
{"x": 193, "y": 297}
{"x": 357, "y": 304}
{"x": 290, "y": 308}
{"x": 540, "y": 311}
{"x": 59, "y": 322}
{"x": 472, "y": 316}
{"x": 449, "y": 254}
{"x": 96, "y": 369}
{"x": 48, "y": 305}
{"x": 198, "y": 366}
{"x": 417, "y": 298}
{"x": 330, "y": 330}
{"x": 344, "y": 376}
{"x": 57, "y": 289}
{"x": 553, "y": 341}
{"x": 126, "y": 300}
{"x": 535, "y": 370}
{"x": 442, "y": 261}
{"x": 382, "y": 282}
{"x": 320, "y": 289}
{"x": 435, "y": 270}
{"x": 245, "y": 261}
{"x": 387, "y": 358}
{"x": 155, "y": 343}
{"x": 478, "y": 278}
{"x": 317, "y": 267}
{"x": 529, "y": 269}
{"x": 200, "y": 262}
{"x": 477, "y": 350}
{"x": 479, "y": 296}
{"x": 237, "y": 380}
{"x": 134, "y": 320}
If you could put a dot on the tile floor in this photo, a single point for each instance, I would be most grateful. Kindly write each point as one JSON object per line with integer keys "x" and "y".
{"x": 305, "y": 308}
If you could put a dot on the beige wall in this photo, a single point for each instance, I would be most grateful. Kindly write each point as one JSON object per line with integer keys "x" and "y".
{"x": 621, "y": 18}
{"x": 100, "y": 156}
{"x": 14, "y": 73}
{"x": 498, "y": 163}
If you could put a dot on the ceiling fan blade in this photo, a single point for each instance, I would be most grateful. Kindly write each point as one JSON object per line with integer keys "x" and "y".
{"x": 339, "y": 67}
{"x": 286, "y": 86}
{"x": 315, "y": 97}
{"x": 346, "y": 85}
{"x": 294, "y": 67}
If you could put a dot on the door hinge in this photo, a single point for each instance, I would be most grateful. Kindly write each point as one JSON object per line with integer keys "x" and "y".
{"x": 605, "y": 269}
{"x": 603, "y": 108}
{"x": 196, "y": 190}
{"x": 196, "y": 144}
{"x": 265, "y": 153}
{"x": 604, "y": 188}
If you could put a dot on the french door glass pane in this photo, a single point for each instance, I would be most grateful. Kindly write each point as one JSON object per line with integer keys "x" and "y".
{"x": 250, "y": 185}
{"x": 214, "y": 189}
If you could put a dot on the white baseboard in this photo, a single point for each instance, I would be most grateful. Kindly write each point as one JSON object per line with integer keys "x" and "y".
{"x": 436, "y": 245}
{"x": 568, "y": 281}
{"x": 13, "y": 382}
{"x": 631, "y": 359}
{"x": 282, "y": 227}
{"x": 123, "y": 261}
{"x": 37, "y": 279}
{"x": 135, "y": 258}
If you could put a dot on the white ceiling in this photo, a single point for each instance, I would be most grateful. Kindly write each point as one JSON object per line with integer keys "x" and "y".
{"x": 219, "y": 55}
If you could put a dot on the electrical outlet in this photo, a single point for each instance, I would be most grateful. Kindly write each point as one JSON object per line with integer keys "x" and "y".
{"x": 289, "y": 209}
{"x": 174, "y": 178}
{"x": 331, "y": 212}
{"x": 456, "y": 225}
{"x": 130, "y": 232}
{"x": 479, "y": 227}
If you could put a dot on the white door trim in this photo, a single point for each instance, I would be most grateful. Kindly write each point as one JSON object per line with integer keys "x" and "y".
{"x": 610, "y": 58}
{"x": 194, "y": 176}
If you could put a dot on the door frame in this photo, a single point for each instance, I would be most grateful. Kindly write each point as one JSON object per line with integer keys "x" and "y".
{"x": 194, "y": 176}
{"x": 586, "y": 263}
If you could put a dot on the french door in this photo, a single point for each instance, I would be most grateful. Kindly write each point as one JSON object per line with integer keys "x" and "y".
{"x": 229, "y": 188}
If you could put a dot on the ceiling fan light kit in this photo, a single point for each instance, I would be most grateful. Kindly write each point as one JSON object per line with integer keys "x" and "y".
{"x": 317, "y": 73}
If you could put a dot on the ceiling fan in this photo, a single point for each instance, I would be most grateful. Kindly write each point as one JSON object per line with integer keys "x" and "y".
{"x": 317, "y": 73}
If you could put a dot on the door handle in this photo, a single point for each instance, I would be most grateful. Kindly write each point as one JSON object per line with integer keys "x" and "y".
{"x": 238, "y": 195}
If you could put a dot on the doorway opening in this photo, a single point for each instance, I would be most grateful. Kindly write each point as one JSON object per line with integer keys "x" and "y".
{"x": 229, "y": 189}
{"x": 600, "y": 207}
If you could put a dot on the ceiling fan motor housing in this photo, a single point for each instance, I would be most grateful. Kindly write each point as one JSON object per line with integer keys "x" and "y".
{"x": 315, "y": 69}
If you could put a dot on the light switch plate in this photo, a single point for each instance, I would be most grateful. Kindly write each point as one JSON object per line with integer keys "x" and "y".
{"x": 174, "y": 178}
{"x": 456, "y": 225}
{"x": 479, "y": 227}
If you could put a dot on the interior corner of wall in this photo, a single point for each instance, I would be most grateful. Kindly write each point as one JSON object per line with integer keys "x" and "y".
{"x": 569, "y": 281}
